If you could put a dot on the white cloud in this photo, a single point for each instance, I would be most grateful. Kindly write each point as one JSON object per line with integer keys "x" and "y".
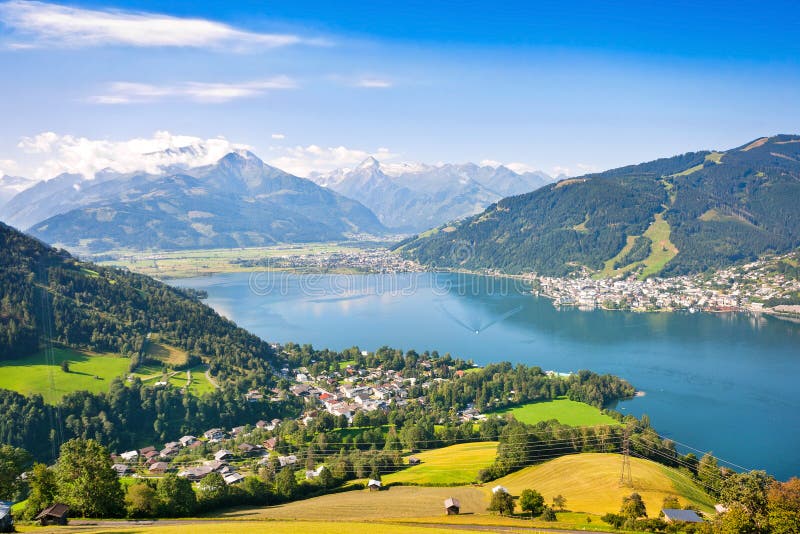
{"x": 43, "y": 24}
{"x": 278, "y": 136}
{"x": 305, "y": 160}
{"x": 66, "y": 153}
{"x": 132, "y": 93}
{"x": 559, "y": 170}
{"x": 578, "y": 170}
{"x": 7, "y": 166}
{"x": 520, "y": 168}
{"x": 517, "y": 167}
{"x": 373, "y": 83}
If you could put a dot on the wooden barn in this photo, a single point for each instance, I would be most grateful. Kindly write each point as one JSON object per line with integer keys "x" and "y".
{"x": 54, "y": 515}
{"x": 452, "y": 506}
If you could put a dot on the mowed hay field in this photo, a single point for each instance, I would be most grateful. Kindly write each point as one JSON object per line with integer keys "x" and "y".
{"x": 448, "y": 466}
{"x": 364, "y": 505}
{"x": 38, "y": 375}
{"x": 567, "y": 412}
{"x": 170, "y": 355}
{"x": 238, "y": 527}
{"x": 591, "y": 483}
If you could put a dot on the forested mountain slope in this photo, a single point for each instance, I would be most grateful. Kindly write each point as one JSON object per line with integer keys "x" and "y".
{"x": 697, "y": 211}
{"x": 46, "y": 296}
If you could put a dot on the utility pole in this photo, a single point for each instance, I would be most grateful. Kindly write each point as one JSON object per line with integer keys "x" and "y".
{"x": 625, "y": 478}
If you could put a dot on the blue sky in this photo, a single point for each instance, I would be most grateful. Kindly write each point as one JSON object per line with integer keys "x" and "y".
{"x": 557, "y": 86}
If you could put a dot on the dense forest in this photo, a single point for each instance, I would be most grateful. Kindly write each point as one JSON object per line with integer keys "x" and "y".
{"x": 722, "y": 208}
{"x": 50, "y": 297}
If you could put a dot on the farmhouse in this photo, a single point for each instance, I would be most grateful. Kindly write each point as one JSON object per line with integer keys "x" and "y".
{"x": 246, "y": 448}
{"x": 254, "y": 396}
{"x": 287, "y": 460}
{"x": 681, "y": 516}
{"x": 195, "y": 473}
{"x": 159, "y": 468}
{"x": 223, "y": 454}
{"x": 374, "y": 485}
{"x": 452, "y": 506}
{"x": 215, "y": 465}
{"x": 168, "y": 452}
{"x": 213, "y": 435}
{"x": 121, "y": 469}
{"x": 233, "y": 478}
{"x": 185, "y": 441}
{"x": 54, "y": 515}
{"x": 129, "y": 456}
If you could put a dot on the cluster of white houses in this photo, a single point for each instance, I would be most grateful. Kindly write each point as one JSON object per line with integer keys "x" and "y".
{"x": 363, "y": 389}
{"x": 735, "y": 288}
{"x": 157, "y": 462}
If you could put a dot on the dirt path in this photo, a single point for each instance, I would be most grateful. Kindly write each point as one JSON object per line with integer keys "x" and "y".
{"x": 211, "y": 380}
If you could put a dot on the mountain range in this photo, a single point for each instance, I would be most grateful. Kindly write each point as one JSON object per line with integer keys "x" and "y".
{"x": 677, "y": 215}
{"x": 238, "y": 201}
{"x": 415, "y": 197}
{"x": 11, "y": 186}
{"x": 241, "y": 201}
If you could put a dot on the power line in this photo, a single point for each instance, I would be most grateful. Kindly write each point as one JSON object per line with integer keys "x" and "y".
{"x": 626, "y": 478}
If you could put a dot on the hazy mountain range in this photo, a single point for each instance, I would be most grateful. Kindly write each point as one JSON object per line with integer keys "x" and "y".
{"x": 11, "y": 186}
{"x": 413, "y": 197}
{"x": 683, "y": 214}
{"x": 241, "y": 201}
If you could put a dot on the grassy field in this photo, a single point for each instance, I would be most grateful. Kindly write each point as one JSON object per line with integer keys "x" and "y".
{"x": 89, "y": 371}
{"x": 237, "y": 527}
{"x": 170, "y": 355}
{"x": 358, "y": 505}
{"x": 152, "y": 373}
{"x": 591, "y": 483}
{"x": 187, "y": 263}
{"x": 36, "y": 375}
{"x": 448, "y": 466}
{"x": 567, "y": 412}
{"x": 661, "y": 252}
{"x": 163, "y": 358}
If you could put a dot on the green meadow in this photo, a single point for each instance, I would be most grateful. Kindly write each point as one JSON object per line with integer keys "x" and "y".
{"x": 565, "y": 411}
{"x": 448, "y": 466}
{"x": 42, "y": 375}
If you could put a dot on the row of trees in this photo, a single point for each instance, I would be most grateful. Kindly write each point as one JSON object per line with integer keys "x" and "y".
{"x": 83, "y": 479}
{"x": 127, "y": 416}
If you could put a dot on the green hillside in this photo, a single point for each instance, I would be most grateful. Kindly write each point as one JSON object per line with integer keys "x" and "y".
{"x": 51, "y": 298}
{"x": 456, "y": 464}
{"x": 55, "y": 308}
{"x": 676, "y": 215}
{"x": 591, "y": 483}
{"x": 41, "y": 374}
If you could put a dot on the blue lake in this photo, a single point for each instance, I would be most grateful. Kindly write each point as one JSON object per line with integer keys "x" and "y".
{"x": 727, "y": 383}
